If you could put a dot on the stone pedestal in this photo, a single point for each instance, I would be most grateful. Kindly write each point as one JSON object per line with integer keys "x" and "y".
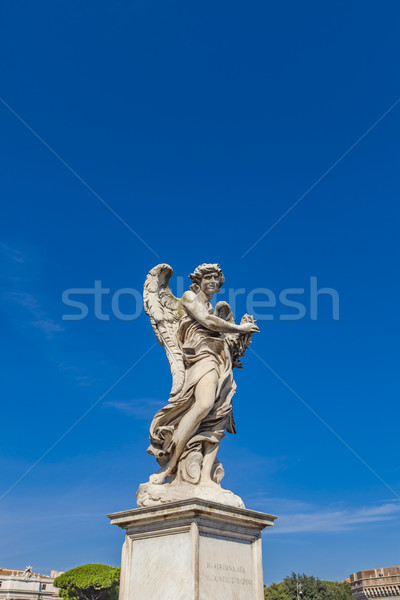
{"x": 191, "y": 550}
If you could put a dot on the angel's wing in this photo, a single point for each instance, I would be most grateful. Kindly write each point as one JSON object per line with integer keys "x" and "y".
{"x": 237, "y": 342}
{"x": 162, "y": 307}
{"x": 223, "y": 311}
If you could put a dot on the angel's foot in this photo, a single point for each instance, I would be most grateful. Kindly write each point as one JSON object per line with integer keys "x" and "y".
{"x": 159, "y": 477}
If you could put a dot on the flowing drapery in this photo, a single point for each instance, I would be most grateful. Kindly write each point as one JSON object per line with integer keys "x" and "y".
{"x": 204, "y": 351}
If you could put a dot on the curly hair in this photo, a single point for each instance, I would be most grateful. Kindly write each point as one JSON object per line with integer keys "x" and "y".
{"x": 202, "y": 270}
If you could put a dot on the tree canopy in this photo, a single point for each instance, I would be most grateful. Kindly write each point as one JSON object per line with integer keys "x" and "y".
{"x": 89, "y": 582}
{"x": 312, "y": 589}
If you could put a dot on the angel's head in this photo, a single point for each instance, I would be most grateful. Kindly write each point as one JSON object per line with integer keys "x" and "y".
{"x": 208, "y": 278}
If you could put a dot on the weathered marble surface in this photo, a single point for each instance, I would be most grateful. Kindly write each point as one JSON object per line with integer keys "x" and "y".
{"x": 149, "y": 494}
{"x": 192, "y": 550}
{"x": 203, "y": 346}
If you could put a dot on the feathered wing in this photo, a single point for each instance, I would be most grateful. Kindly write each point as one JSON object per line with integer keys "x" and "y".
{"x": 162, "y": 307}
{"x": 223, "y": 311}
{"x": 237, "y": 342}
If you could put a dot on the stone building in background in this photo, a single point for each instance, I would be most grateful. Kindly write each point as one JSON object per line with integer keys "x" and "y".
{"x": 27, "y": 585}
{"x": 376, "y": 583}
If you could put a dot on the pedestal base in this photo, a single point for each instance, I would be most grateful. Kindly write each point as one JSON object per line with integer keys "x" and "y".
{"x": 191, "y": 550}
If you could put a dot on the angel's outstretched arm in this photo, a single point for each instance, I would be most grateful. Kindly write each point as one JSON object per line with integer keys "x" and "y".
{"x": 198, "y": 311}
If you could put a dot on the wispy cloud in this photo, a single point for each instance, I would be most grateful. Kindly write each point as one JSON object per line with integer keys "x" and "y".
{"x": 34, "y": 312}
{"x": 32, "y": 305}
{"x": 17, "y": 274}
{"x": 85, "y": 380}
{"x": 48, "y": 326}
{"x": 313, "y": 519}
{"x": 24, "y": 299}
{"x": 14, "y": 254}
{"x": 141, "y": 408}
{"x": 264, "y": 502}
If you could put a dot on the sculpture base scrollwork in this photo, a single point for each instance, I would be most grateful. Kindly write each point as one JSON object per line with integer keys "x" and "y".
{"x": 150, "y": 494}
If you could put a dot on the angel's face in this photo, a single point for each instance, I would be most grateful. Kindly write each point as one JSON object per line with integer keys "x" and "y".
{"x": 210, "y": 284}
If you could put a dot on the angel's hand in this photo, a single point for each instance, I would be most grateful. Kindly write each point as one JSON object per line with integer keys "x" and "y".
{"x": 248, "y": 328}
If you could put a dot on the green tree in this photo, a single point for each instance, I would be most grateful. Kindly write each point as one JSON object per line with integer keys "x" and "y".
{"x": 338, "y": 591}
{"x": 312, "y": 589}
{"x": 89, "y": 582}
{"x": 276, "y": 591}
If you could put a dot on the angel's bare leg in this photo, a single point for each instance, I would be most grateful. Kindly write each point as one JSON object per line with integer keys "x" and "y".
{"x": 205, "y": 392}
{"x": 210, "y": 454}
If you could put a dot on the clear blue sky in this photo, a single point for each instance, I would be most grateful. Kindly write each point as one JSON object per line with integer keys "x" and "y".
{"x": 200, "y": 124}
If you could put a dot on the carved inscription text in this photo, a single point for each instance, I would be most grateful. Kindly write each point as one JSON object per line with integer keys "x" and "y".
{"x": 224, "y": 573}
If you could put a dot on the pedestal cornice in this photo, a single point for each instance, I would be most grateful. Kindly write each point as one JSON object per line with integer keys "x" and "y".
{"x": 190, "y": 509}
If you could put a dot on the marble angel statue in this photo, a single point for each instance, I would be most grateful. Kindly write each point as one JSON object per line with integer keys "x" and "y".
{"x": 203, "y": 345}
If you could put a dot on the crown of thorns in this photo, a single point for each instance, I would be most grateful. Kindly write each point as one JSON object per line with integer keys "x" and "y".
{"x": 204, "y": 269}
